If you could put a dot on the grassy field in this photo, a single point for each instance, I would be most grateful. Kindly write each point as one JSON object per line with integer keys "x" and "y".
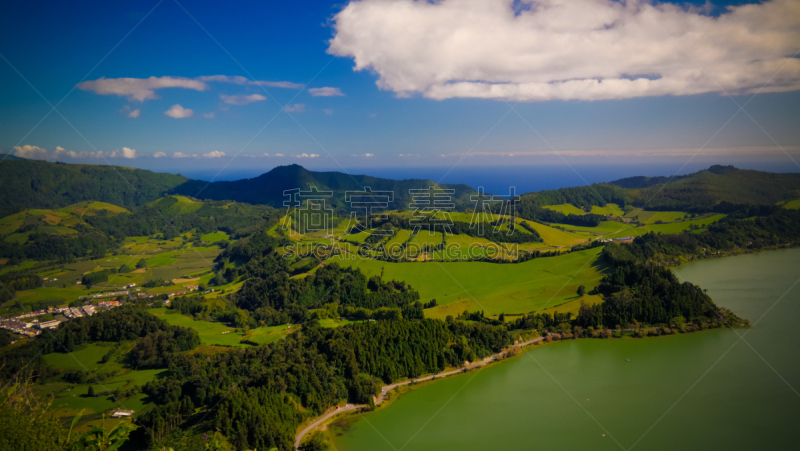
{"x": 85, "y": 359}
{"x": 555, "y": 237}
{"x": 211, "y": 333}
{"x": 569, "y": 209}
{"x": 608, "y": 210}
{"x": 215, "y": 237}
{"x": 495, "y": 288}
{"x": 671, "y": 228}
{"x": 792, "y": 204}
{"x": 91, "y": 208}
{"x": 650, "y": 217}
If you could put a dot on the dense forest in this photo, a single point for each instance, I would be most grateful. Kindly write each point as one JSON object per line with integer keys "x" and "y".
{"x": 256, "y": 390}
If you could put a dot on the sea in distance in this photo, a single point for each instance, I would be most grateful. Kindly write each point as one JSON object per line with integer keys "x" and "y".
{"x": 719, "y": 389}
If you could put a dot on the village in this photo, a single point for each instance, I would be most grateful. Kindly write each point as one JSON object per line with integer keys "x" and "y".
{"x": 23, "y": 324}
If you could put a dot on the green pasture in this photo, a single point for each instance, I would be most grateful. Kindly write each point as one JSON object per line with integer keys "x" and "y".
{"x": 792, "y": 204}
{"x": 608, "y": 210}
{"x": 215, "y": 237}
{"x": 211, "y": 333}
{"x": 496, "y": 288}
{"x": 91, "y": 208}
{"x": 85, "y": 359}
{"x": 555, "y": 237}
{"x": 650, "y": 217}
{"x": 569, "y": 209}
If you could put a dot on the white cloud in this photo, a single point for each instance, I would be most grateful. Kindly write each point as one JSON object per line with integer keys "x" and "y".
{"x": 490, "y": 49}
{"x": 179, "y": 112}
{"x": 214, "y": 154}
{"x": 266, "y": 154}
{"x": 180, "y": 155}
{"x": 369, "y": 155}
{"x": 127, "y": 152}
{"x": 239, "y": 80}
{"x": 306, "y": 155}
{"x": 235, "y": 79}
{"x": 279, "y": 155}
{"x": 296, "y": 108}
{"x": 209, "y": 115}
{"x": 327, "y": 111}
{"x": 159, "y": 155}
{"x": 277, "y": 84}
{"x": 325, "y": 92}
{"x": 134, "y": 114}
{"x": 30, "y": 152}
{"x": 242, "y": 99}
{"x": 38, "y": 153}
{"x": 140, "y": 89}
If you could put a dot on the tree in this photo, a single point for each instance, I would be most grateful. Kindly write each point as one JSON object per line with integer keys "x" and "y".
{"x": 581, "y": 290}
{"x": 141, "y": 264}
{"x": 316, "y": 442}
{"x": 90, "y": 393}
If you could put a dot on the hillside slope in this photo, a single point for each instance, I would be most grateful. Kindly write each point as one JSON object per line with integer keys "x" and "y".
{"x": 40, "y": 184}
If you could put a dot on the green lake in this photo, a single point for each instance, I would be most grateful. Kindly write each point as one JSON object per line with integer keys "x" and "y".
{"x": 706, "y": 390}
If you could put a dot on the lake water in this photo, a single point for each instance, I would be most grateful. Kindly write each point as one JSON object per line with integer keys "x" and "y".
{"x": 707, "y": 390}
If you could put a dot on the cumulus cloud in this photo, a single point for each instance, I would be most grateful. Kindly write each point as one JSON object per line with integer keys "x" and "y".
{"x": 369, "y": 155}
{"x": 127, "y": 152}
{"x": 325, "y": 92}
{"x": 209, "y": 115}
{"x": 296, "y": 108}
{"x": 279, "y": 155}
{"x": 569, "y": 49}
{"x": 214, "y": 154}
{"x": 30, "y": 152}
{"x": 140, "y": 89}
{"x": 159, "y": 155}
{"x": 181, "y": 155}
{"x": 179, "y": 112}
{"x": 305, "y": 155}
{"x": 242, "y": 99}
{"x": 134, "y": 114}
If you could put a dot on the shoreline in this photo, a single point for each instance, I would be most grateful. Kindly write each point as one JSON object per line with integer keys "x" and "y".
{"x": 330, "y": 414}
{"x": 318, "y": 421}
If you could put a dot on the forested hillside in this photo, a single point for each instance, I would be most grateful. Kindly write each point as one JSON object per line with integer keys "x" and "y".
{"x": 704, "y": 191}
{"x": 40, "y": 184}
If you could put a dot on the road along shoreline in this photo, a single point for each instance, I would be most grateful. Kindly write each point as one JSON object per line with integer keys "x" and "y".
{"x": 387, "y": 388}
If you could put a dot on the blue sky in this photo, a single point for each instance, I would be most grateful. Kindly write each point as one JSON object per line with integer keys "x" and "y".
{"x": 52, "y": 47}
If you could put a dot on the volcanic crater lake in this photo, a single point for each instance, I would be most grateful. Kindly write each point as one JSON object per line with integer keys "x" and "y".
{"x": 705, "y": 390}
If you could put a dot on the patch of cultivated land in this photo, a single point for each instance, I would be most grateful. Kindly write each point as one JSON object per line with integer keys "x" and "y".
{"x": 495, "y": 288}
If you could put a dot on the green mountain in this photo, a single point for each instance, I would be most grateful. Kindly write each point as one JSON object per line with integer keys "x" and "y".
{"x": 40, "y": 184}
{"x": 702, "y": 191}
{"x": 269, "y": 188}
{"x": 705, "y": 190}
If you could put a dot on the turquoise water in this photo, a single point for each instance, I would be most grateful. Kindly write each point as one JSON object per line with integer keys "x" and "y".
{"x": 706, "y": 390}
